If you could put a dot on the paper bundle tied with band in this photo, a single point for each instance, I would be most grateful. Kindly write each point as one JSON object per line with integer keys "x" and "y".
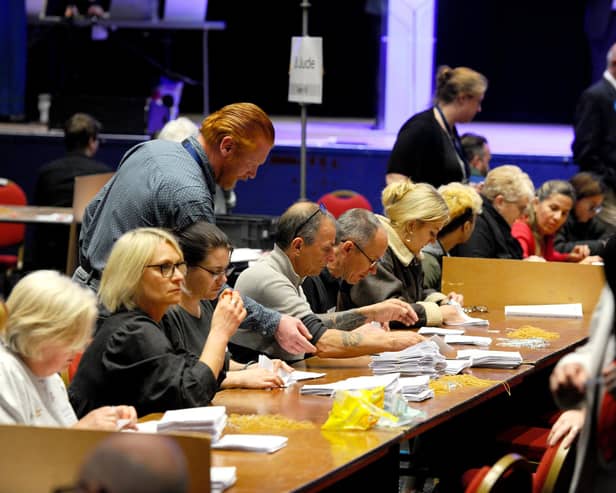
{"x": 364, "y": 409}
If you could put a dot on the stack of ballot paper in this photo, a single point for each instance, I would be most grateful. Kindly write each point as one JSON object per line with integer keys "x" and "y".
{"x": 415, "y": 389}
{"x": 440, "y": 331}
{"x": 566, "y": 310}
{"x": 455, "y": 366}
{"x": 420, "y": 359}
{"x": 222, "y": 478}
{"x": 389, "y": 382}
{"x": 207, "y": 419}
{"x": 251, "y": 443}
{"x": 475, "y": 340}
{"x": 491, "y": 359}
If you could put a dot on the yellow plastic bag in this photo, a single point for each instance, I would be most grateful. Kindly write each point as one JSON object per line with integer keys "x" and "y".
{"x": 357, "y": 410}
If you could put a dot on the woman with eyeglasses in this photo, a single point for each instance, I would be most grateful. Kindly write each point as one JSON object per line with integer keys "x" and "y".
{"x": 546, "y": 215}
{"x": 415, "y": 213}
{"x": 584, "y": 226}
{"x": 130, "y": 358}
{"x": 48, "y": 319}
{"x": 188, "y": 325}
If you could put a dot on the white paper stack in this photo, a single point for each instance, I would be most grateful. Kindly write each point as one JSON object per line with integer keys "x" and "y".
{"x": 564, "y": 310}
{"x": 475, "y": 340}
{"x": 455, "y": 366}
{"x": 251, "y": 443}
{"x": 491, "y": 359}
{"x": 388, "y": 381}
{"x": 222, "y": 478}
{"x": 428, "y": 331}
{"x": 207, "y": 419}
{"x": 415, "y": 389}
{"x": 420, "y": 359}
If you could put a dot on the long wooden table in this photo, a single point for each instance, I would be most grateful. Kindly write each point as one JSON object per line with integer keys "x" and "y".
{"x": 315, "y": 460}
{"x": 31, "y": 214}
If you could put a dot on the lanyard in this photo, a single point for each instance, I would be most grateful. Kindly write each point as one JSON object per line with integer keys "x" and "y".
{"x": 457, "y": 145}
{"x": 192, "y": 151}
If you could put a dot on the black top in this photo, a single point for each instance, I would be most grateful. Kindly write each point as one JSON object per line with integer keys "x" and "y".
{"x": 131, "y": 361}
{"x": 491, "y": 237}
{"x": 593, "y": 233}
{"x": 321, "y": 291}
{"x": 594, "y": 146}
{"x": 424, "y": 152}
{"x": 54, "y": 188}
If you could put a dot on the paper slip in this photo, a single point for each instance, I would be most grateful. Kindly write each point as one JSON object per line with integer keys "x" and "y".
{"x": 426, "y": 331}
{"x": 476, "y": 340}
{"x": 222, "y": 478}
{"x": 565, "y": 310}
{"x": 251, "y": 443}
{"x": 55, "y": 218}
{"x": 289, "y": 378}
{"x": 455, "y": 366}
{"x": 491, "y": 359}
{"x": 388, "y": 381}
{"x": 466, "y": 320}
{"x": 245, "y": 254}
{"x": 206, "y": 419}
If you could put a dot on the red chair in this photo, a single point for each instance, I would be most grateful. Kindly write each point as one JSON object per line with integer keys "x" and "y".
{"x": 340, "y": 201}
{"x": 12, "y": 234}
{"x": 510, "y": 473}
{"x": 555, "y": 469}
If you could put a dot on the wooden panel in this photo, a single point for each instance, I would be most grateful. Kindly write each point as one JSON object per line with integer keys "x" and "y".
{"x": 498, "y": 282}
{"x": 39, "y": 459}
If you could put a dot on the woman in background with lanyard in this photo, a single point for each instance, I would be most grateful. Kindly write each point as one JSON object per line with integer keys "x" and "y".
{"x": 428, "y": 147}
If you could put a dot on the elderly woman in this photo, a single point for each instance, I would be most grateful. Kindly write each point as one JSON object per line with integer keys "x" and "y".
{"x": 464, "y": 204}
{"x": 415, "y": 212}
{"x": 131, "y": 359}
{"x": 207, "y": 252}
{"x": 583, "y": 226}
{"x": 50, "y": 320}
{"x": 506, "y": 194}
{"x": 548, "y": 212}
{"x": 428, "y": 148}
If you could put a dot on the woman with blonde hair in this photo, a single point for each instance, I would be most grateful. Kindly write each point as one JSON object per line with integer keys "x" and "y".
{"x": 464, "y": 205}
{"x": 547, "y": 214}
{"x": 506, "y": 194}
{"x": 131, "y": 359}
{"x": 48, "y": 319}
{"x": 428, "y": 148}
{"x": 415, "y": 213}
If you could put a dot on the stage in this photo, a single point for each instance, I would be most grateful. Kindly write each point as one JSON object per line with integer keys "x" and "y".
{"x": 341, "y": 154}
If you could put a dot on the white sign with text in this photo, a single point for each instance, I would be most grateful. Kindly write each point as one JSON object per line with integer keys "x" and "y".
{"x": 306, "y": 70}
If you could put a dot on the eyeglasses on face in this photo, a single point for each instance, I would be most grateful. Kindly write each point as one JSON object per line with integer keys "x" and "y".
{"x": 168, "y": 269}
{"x": 216, "y": 274}
{"x": 321, "y": 208}
{"x": 372, "y": 261}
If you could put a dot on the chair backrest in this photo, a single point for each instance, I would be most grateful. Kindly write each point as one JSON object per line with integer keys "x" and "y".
{"x": 340, "y": 201}
{"x": 12, "y": 234}
{"x": 86, "y": 187}
{"x": 41, "y": 458}
{"x": 511, "y": 472}
{"x": 555, "y": 469}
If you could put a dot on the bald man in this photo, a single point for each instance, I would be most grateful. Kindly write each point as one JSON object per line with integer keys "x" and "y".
{"x": 135, "y": 463}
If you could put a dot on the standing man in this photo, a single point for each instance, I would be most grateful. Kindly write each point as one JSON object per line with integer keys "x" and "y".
{"x": 172, "y": 185}
{"x": 55, "y": 185}
{"x": 594, "y": 145}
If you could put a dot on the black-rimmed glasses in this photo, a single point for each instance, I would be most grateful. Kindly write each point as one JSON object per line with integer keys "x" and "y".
{"x": 373, "y": 262}
{"x": 168, "y": 269}
{"x": 321, "y": 208}
{"x": 214, "y": 273}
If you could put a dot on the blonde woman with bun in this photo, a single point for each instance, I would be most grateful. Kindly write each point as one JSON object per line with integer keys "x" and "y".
{"x": 414, "y": 215}
{"x": 464, "y": 205}
{"x": 428, "y": 148}
{"x": 47, "y": 320}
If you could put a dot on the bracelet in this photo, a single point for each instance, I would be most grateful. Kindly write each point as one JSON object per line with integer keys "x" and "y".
{"x": 251, "y": 362}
